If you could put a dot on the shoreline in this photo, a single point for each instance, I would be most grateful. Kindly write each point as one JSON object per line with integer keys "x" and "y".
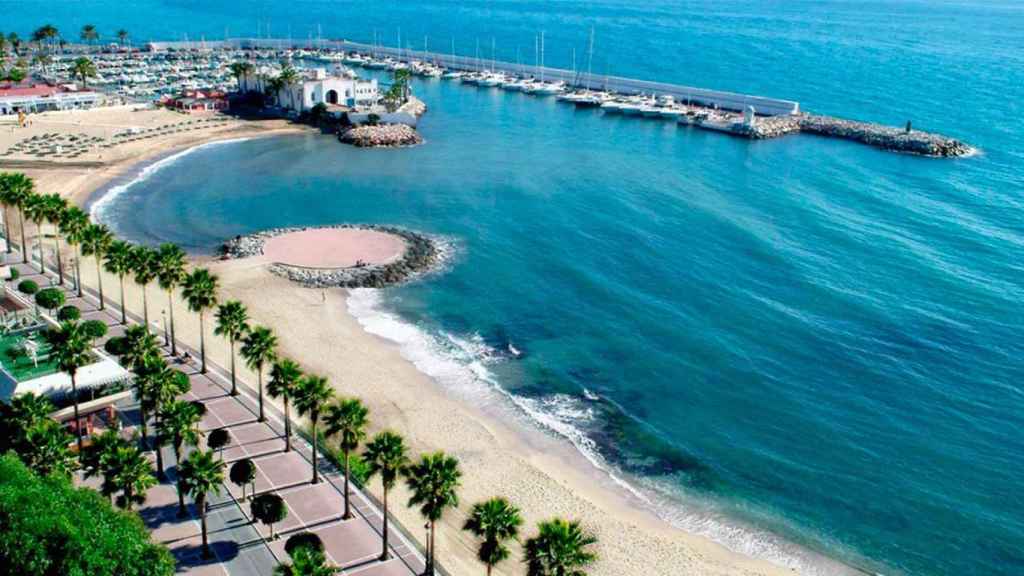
{"x": 629, "y": 533}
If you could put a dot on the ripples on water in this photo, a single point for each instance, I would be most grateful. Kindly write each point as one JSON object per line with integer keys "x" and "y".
{"x": 804, "y": 336}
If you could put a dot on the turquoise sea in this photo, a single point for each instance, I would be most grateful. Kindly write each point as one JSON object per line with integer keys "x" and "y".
{"x": 797, "y": 345}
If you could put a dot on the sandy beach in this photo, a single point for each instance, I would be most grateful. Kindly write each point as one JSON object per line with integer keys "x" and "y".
{"x": 540, "y": 474}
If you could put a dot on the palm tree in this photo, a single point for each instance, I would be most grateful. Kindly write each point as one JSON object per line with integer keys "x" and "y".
{"x": 201, "y": 474}
{"x": 89, "y": 34}
{"x": 170, "y": 271}
{"x": 306, "y": 561}
{"x": 69, "y": 347}
{"x": 283, "y": 384}
{"x": 54, "y": 207}
{"x": 45, "y": 34}
{"x": 311, "y": 399}
{"x": 44, "y": 449}
{"x": 288, "y": 77}
{"x": 119, "y": 263}
{"x": 200, "y": 292}
{"x": 560, "y": 549}
{"x": 36, "y": 210}
{"x": 347, "y": 419}
{"x": 122, "y": 36}
{"x": 20, "y": 189}
{"x": 386, "y": 455}
{"x": 73, "y": 224}
{"x": 232, "y": 322}
{"x": 129, "y": 471}
{"x": 163, "y": 385}
{"x": 240, "y": 69}
{"x": 95, "y": 241}
{"x": 494, "y": 522}
{"x": 140, "y": 346}
{"x": 179, "y": 425}
{"x": 259, "y": 349}
{"x": 144, "y": 271}
{"x": 433, "y": 482}
{"x": 274, "y": 87}
{"x": 5, "y": 196}
{"x": 95, "y": 459}
{"x": 83, "y": 69}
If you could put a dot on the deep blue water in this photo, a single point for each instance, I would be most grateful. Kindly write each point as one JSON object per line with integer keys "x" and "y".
{"x": 806, "y": 336}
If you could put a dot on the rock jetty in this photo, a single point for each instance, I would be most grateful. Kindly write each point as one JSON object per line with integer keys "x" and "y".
{"x": 877, "y": 135}
{"x": 381, "y": 136}
{"x": 884, "y": 137}
{"x": 422, "y": 254}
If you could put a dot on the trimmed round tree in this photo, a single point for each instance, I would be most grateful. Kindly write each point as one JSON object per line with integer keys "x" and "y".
{"x": 303, "y": 540}
{"x": 218, "y": 439}
{"x": 269, "y": 509}
{"x": 28, "y": 287}
{"x": 243, "y": 473}
{"x": 95, "y": 329}
{"x": 69, "y": 313}
{"x": 50, "y": 298}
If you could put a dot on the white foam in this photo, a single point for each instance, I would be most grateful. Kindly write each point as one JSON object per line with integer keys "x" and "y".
{"x": 463, "y": 365}
{"x": 101, "y": 204}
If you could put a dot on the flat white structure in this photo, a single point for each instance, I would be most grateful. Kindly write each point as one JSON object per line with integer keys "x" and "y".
{"x": 42, "y": 103}
{"x": 314, "y": 87}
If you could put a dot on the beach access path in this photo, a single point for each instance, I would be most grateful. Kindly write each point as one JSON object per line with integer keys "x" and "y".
{"x": 240, "y": 546}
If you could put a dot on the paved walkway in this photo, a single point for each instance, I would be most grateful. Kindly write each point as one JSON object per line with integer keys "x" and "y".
{"x": 242, "y": 547}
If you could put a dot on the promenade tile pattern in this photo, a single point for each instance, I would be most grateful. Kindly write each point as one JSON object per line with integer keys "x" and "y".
{"x": 241, "y": 546}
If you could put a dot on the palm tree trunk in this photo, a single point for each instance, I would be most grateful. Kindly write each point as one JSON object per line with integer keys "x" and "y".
{"x": 124, "y": 305}
{"x": 170, "y": 305}
{"x": 430, "y": 556}
{"x": 234, "y": 386}
{"x": 384, "y": 551}
{"x": 99, "y": 279}
{"x": 259, "y": 380}
{"x": 127, "y": 495}
{"x": 159, "y": 452}
{"x": 78, "y": 425}
{"x": 316, "y": 475}
{"x": 145, "y": 436}
{"x": 78, "y": 270}
{"x": 348, "y": 511}
{"x": 201, "y": 504}
{"x": 182, "y": 511}
{"x": 145, "y": 309}
{"x": 7, "y": 228}
{"x": 287, "y": 427}
{"x": 39, "y": 240}
{"x": 60, "y": 263}
{"x": 202, "y": 342}
{"x": 21, "y": 227}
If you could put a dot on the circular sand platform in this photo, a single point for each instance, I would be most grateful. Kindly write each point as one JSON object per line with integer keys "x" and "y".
{"x": 335, "y": 248}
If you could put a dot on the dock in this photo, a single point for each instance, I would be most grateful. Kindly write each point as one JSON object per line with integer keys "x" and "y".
{"x": 741, "y": 115}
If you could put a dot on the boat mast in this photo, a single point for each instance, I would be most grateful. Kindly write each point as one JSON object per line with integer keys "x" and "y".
{"x": 590, "y": 57}
{"x": 541, "y": 56}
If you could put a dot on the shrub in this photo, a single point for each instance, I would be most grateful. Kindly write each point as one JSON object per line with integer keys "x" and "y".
{"x": 47, "y": 526}
{"x": 373, "y": 119}
{"x": 15, "y": 274}
{"x": 268, "y": 509}
{"x": 303, "y": 540}
{"x": 69, "y": 313}
{"x": 28, "y": 287}
{"x": 218, "y": 438}
{"x": 116, "y": 345}
{"x": 50, "y": 298}
{"x": 95, "y": 329}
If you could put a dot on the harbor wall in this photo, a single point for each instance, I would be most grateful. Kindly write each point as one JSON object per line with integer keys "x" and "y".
{"x": 701, "y": 96}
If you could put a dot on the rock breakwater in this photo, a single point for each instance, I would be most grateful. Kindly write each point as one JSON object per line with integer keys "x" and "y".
{"x": 382, "y": 136}
{"x": 884, "y": 137}
{"x": 422, "y": 254}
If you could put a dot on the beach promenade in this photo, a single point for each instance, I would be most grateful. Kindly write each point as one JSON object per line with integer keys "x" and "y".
{"x": 241, "y": 546}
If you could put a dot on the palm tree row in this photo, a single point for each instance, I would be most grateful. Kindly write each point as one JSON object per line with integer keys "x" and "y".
{"x": 560, "y": 547}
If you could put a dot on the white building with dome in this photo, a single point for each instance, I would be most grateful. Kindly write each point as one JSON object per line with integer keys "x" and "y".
{"x": 316, "y": 86}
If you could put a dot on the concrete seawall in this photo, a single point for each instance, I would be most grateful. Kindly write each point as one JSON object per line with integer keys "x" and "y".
{"x": 727, "y": 112}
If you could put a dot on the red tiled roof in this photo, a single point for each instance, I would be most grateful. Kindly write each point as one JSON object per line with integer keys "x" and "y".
{"x": 28, "y": 90}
